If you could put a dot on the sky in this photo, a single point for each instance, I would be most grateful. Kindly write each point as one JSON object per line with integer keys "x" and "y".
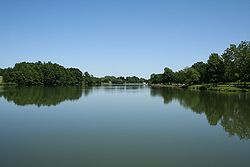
{"x": 120, "y": 37}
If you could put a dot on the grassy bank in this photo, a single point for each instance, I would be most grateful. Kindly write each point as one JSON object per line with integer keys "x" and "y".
{"x": 219, "y": 87}
{"x": 205, "y": 87}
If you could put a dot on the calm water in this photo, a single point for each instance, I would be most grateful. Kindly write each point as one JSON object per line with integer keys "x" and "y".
{"x": 123, "y": 126}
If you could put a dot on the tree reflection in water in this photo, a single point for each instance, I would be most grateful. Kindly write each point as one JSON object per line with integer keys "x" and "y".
{"x": 232, "y": 111}
{"x": 42, "y": 96}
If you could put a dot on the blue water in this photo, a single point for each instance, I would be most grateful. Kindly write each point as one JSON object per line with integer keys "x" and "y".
{"x": 122, "y": 126}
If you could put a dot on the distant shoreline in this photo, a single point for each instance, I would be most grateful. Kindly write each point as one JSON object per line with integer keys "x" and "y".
{"x": 124, "y": 84}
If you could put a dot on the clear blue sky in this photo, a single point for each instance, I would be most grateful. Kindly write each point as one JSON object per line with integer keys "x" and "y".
{"x": 120, "y": 37}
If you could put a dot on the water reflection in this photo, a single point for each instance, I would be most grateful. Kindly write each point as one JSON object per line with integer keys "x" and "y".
{"x": 52, "y": 96}
{"x": 41, "y": 96}
{"x": 232, "y": 111}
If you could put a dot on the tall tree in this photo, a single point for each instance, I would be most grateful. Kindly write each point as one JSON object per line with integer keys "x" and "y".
{"x": 242, "y": 61}
{"x": 202, "y": 69}
{"x": 168, "y": 75}
{"x": 215, "y": 68}
{"x": 192, "y": 75}
{"x": 229, "y": 56}
{"x": 156, "y": 78}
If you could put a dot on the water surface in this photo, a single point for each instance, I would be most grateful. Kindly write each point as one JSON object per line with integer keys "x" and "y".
{"x": 122, "y": 126}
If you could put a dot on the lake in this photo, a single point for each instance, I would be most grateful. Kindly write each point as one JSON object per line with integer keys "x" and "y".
{"x": 123, "y": 126}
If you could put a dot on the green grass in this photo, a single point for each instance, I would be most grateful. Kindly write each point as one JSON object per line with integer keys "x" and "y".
{"x": 219, "y": 87}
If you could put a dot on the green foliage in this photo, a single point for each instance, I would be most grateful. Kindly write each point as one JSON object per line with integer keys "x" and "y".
{"x": 229, "y": 57}
{"x": 180, "y": 76}
{"x": 42, "y": 74}
{"x": 134, "y": 79}
{"x": 192, "y": 75}
{"x": 202, "y": 69}
{"x": 157, "y": 78}
{"x": 168, "y": 75}
{"x": 233, "y": 65}
{"x": 122, "y": 80}
{"x": 215, "y": 68}
{"x": 242, "y": 61}
{"x": 187, "y": 76}
{"x": 237, "y": 62}
{"x": 90, "y": 80}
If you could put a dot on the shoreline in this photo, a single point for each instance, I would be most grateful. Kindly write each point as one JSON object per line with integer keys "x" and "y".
{"x": 197, "y": 87}
{"x": 203, "y": 87}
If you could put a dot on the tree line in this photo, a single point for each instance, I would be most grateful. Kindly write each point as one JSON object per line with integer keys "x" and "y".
{"x": 41, "y": 73}
{"x": 233, "y": 65}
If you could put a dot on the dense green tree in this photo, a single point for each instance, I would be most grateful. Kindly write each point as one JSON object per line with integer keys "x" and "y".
{"x": 87, "y": 79}
{"x": 237, "y": 62}
{"x": 27, "y": 74}
{"x": 168, "y": 75}
{"x": 109, "y": 79}
{"x": 142, "y": 80}
{"x": 133, "y": 79}
{"x": 42, "y": 74}
{"x": 156, "y": 78}
{"x": 215, "y": 68}
{"x": 229, "y": 57}
{"x": 202, "y": 69}
{"x": 188, "y": 75}
{"x": 233, "y": 65}
{"x": 76, "y": 74}
{"x": 9, "y": 75}
{"x": 192, "y": 75}
{"x": 242, "y": 61}
{"x": 122, "y": 80}
{"x": 180, "y": 76}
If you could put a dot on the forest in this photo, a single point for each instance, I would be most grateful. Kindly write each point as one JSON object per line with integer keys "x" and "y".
{"x": 41, "y": 74}
{"x": 232, "y": 66}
